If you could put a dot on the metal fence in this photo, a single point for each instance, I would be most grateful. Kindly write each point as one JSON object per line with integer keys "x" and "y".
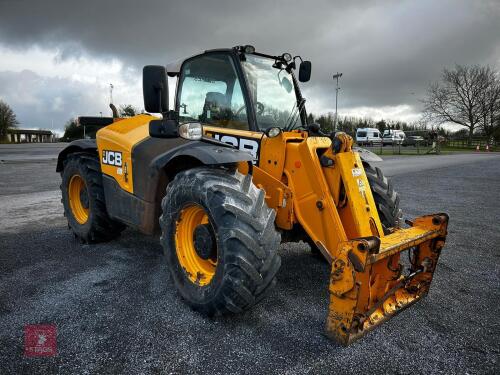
{"x": 476, "y": 141}
{"x": 399, "y": 148}
{"x": 425, "y": 147}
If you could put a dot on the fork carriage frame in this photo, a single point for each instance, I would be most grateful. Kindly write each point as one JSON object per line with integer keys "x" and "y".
{"x": 328, "y": 193}
{"x": 365, "y": 287}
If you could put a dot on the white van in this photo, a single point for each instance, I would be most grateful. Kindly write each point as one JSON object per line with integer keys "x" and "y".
{"x": 368, "y": 136}
{"x": 393, "y": 137}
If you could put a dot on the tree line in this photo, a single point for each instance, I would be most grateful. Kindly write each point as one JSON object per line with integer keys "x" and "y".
{"x": 468, "y": 96}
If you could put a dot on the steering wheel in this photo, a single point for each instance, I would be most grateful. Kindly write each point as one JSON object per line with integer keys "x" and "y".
{"x": 259, "y": 108}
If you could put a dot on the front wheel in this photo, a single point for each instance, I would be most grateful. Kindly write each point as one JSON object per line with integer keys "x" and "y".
{"x": 219, "y": 240}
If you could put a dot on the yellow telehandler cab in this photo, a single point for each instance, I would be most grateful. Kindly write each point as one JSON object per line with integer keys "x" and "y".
{"x": 233, "y": 169}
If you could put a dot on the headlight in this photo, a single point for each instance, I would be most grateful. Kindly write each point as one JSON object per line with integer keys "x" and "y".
{"x": 191, "y": 130}
{"x": 273, "y": 132}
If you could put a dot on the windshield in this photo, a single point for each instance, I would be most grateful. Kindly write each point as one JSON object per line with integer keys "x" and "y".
{"x": 272, "y": 93}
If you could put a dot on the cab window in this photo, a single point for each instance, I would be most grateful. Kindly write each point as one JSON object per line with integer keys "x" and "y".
{"x": 210, "y": 93}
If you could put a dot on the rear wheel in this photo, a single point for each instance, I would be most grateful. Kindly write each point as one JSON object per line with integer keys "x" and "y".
{"x": 219, "y": 239}
{"x": 83, "y": 199}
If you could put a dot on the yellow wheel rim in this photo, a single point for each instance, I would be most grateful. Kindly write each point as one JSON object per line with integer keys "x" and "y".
{"x": 78, "y": 199}
{"x": 199, "y": 270}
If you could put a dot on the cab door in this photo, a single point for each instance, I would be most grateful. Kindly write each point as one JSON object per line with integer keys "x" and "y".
{"x": 210, "y": 92}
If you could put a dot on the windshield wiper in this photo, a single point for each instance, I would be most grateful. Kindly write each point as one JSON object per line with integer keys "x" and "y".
{"x": 292, "y": 113}
{"x": 292, "y": 119}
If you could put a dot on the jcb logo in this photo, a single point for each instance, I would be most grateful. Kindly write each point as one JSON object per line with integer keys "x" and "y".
{"x": 112, "y": 158}
{"x": 244, "y": 144}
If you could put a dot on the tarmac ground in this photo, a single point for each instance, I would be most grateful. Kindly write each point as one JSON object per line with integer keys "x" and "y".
{"x": 116, "y": 309}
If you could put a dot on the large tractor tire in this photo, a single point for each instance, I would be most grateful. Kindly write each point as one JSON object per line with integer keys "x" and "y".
{"x": 83, "y": 200}
{"x": 386, "y": 198}
{"x": 219, "y": 239}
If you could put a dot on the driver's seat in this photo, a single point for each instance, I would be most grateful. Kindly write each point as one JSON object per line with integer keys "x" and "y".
{"x": 216, "y": 108}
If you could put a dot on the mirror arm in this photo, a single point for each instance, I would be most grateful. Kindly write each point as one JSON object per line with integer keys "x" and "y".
{"x": 171, "y": 115}
{"x": 300, "y": 98}
{"x": 159, "y": 99}
{"x": 159, "y": 89}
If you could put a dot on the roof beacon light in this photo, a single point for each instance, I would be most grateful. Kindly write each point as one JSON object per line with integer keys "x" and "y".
{"x": 249, "y": 49}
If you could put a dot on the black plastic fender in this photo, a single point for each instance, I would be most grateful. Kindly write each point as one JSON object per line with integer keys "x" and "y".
{"x": 153, "y": 156}
{"x": 210, "y": 154}
{"x": 79, "y": 145}
{"x": 366, "y": 155}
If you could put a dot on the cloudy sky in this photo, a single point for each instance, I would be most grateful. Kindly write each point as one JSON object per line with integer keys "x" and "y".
{"x": 58, "y": 57}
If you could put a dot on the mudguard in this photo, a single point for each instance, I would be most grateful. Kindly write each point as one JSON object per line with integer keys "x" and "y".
{"x": 209, "y": 154}
{"x": 366, "y": 155}
{"x": 153, "y": 156}
{"x": 88, "y": 145}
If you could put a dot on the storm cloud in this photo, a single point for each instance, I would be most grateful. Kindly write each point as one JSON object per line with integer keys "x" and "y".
{"x": 389, "y": 51}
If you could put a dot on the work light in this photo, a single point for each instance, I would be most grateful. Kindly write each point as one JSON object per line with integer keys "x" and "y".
{"x": 249, "y": 49}
{"x": 191, "y": 130}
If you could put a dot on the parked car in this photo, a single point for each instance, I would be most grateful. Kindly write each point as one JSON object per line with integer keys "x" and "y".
{"x": 413, "y": 140}
{"x": 393, "y": 137}
{"x": 368, "y": 136}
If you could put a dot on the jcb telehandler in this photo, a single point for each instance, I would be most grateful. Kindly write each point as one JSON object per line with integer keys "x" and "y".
{"x": 233, "y": 169}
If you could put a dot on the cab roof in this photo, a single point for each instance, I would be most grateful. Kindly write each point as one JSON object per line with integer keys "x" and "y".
{"x": 174, "y": 67}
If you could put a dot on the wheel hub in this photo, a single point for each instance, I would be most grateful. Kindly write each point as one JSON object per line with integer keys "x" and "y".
{"x": 84, "y": 198}
{"x": 204, "y": 242}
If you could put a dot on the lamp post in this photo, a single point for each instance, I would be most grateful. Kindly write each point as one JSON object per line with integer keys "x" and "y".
{"x": 337, "y": 88}
{"x": 111, "y": 87}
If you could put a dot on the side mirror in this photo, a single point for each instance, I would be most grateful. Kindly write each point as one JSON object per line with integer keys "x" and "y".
{"x": 163, "y": 129}
{"x": 155, "y": 89}
{"x": 305, "y": 71}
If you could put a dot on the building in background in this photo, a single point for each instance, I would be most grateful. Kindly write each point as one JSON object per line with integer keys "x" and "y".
{"x": 29, "y": 135}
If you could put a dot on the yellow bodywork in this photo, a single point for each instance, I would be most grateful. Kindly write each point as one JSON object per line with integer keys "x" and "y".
{"x": 121, "y": 136}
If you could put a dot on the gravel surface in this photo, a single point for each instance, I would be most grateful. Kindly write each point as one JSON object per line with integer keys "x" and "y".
{"x": 116, "y": 309}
